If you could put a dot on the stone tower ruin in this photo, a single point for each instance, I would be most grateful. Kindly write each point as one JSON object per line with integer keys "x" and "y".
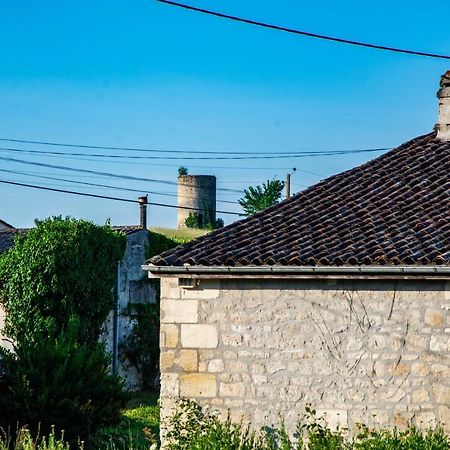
{"x": 198, "y": 192}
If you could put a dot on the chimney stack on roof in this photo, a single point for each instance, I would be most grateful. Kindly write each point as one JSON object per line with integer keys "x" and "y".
{"x": 443, "y": 125}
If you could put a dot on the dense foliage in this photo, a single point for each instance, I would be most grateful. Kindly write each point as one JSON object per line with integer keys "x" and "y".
{"x": 141, "y": 347}
{"x": 160, "y": 243}
{"x": 192, "y": 428}
{"x": 56, "y": 381}
{"x": 258, "y": 198}
{"x": 194, "y": 221}
{"x": 59, "y": 269}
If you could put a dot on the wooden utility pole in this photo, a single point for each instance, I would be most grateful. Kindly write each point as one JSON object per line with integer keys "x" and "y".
{"x": 288, "y": 185}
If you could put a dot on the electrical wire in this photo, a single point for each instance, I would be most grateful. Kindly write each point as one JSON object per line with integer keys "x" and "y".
{"x": 299, "y": 154}
{"x": 107, "y": 186}
{"x": 305, "y": 33}
{"x": 147, "y": 150}
{"x": 106, "y": 174}
{"x": 85, "y": 194}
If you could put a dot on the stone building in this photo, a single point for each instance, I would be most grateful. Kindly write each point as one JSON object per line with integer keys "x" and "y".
{"x": 338, "y": 297}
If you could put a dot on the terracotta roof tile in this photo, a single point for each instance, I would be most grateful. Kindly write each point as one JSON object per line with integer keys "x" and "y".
{"x": 392, "y": 210}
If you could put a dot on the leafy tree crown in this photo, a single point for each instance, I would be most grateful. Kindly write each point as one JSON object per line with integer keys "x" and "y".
{"x": 258, "y": 198}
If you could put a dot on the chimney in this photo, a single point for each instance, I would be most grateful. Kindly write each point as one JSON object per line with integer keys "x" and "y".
{"x": 143, "y": 202}
{"x": 443, "y": 125}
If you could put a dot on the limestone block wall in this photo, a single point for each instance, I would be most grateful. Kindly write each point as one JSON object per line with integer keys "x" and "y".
{"x": 376, "y": 352}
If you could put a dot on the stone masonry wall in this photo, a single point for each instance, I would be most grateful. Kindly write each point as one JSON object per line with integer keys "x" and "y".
{"x": 376, "y": 352}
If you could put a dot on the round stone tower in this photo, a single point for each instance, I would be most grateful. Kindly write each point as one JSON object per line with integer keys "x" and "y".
{"x": 199, "y": 192}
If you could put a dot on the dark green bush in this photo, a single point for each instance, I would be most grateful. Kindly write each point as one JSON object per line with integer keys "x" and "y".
{"x": 160, "y": 243}
{"x": 57, "y": 381}
{"x": 194, "y": 220}
{"x": 61, "y": 268}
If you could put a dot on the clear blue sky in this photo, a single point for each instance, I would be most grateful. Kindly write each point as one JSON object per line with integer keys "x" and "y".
{"x": 140, "y": 73}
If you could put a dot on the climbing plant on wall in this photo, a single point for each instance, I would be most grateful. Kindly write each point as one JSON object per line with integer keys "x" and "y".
{"x": 61, "y": 268}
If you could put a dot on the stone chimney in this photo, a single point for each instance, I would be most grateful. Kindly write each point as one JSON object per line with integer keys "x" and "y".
{"x": 443, "y": 125}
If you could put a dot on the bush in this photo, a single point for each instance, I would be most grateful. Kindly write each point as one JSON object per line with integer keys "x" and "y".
{"x": 61, "y": 268}
{"x": 192, "y": 428}
{"x": 194, "y": 220}
{"x": 160, "y": 243}
{"x": 56, "y": 381}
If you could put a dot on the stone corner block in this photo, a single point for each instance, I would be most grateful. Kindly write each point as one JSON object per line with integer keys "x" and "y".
{"x": 199, "y": 336}
{"x": 168, "y": 335}
{"x": 175, "y": 311}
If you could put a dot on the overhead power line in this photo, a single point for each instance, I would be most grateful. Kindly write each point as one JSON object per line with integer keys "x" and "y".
{"x": 85, "y": 194}
{"x": 300, "y": 154}
{"x": 107, "y": 186}
{"x": 106, "y": 174}
{"x": 305, "y": 33}
{"x": 152, "y": 150}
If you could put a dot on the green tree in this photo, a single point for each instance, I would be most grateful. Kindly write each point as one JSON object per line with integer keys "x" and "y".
{"x": 258, "y": 198}
{"x": 61, "y": 268}
{"x": 182, "y": 171}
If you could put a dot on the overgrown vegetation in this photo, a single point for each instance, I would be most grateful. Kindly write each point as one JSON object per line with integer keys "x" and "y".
{"x": 24, "y": 441}
{"x": 56, "y": 287}
{"x": 194, "y": 220}
{"x": 258, "y": 198}
{"x": 160, "y": 243}
{"x": 182, "y": 171}
{"x": 56, "y": 381}
{"x": 192, "y": 428}
{"x": 63, "y": 267}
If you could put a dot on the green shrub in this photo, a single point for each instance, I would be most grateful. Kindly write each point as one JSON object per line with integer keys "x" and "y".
{"x": 55, "y": 381}
{"x": 194, "y": 220}
{"x": 409, "y": 439}
{"x": 60, "y": 268}
{"x": 192, "y": 428}
{"x": 160, "y": 243}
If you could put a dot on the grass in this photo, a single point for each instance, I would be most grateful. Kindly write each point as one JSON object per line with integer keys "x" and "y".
{"x": 139, "y": 426}
{"x": 186, "y": 234}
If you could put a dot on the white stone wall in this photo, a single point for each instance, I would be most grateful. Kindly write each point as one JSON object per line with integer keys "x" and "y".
{"x": 376, "y": 352}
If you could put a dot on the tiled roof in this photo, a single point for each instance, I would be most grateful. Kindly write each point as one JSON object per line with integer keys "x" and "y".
{"x": 127, "y": 229}
{"x": 392, "y": 210}
{"x": 7, "y": 235}
{"x": 4, "y": 224}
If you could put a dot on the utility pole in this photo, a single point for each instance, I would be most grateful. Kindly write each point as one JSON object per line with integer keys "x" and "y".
{"x": 143, "y": 201}
{"x": 288, "y": 183}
